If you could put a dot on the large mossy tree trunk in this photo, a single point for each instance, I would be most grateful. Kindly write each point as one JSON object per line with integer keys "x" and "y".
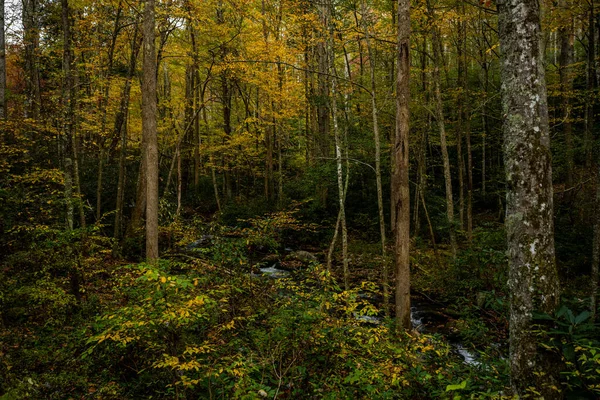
{"x": 533, "y": 279}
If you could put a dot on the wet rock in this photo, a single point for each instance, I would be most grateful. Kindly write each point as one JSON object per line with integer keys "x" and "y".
{"x": 203, "y": 242}
{"x": 303, "y": 256}
{"x": 270, "y": 258}
{"x": 369, "y": 319}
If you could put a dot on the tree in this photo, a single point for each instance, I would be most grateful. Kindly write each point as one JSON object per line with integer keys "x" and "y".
{"x": 566, "y": 37}
{"x": 377, "y": 141}
{"x": 31, "y": 39}
{"x": 149, "y": 131}
{"x": 400, "y": 181}
{"x": 3, "y": 111}
{"x": 68, "y": 112}
{"x": 439, "y": 116}
{"x": 533, "y": 279}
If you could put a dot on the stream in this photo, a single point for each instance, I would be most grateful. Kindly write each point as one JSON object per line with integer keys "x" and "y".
{"x": 425, "y": 316}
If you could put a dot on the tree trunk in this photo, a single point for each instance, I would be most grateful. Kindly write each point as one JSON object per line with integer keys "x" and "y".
{"x": 68, "y": 112}
{"x": 591, "y": 85}
{"x": 197, "y": 142}
{"x": 69, "y": 127}
{"x": 385, "y": 282}
{"x": 139, "y": 208}
{"x": 595, "y": 275}
{"x": 149, "y": 132}
{"x": 226, "y": 94}
{"x": 120, "y": 131}
{"x": 3, "y": 110}
{"x": 565, "y": 61}
{"x": 120, "y": 187}
{"x": 485, "y": 120}
{"x": 76, "y": 181}
{"x": 422, "y": 144}
{"x": 103, "y": 111}
{"x": 31, "y": 40}
{"x": 400, "y": 178}
{"x": 179, "y": 181}
{"x": 330, "y": 56}
{"x": 439, "y": 116}
{"x": 462, "y": 116}
{"x": 533, "y": 279}
{"x": 466, "y": 123}
{"x": 336, "y": 231}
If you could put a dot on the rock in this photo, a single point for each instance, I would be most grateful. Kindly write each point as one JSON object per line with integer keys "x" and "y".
{"x": 270, "y": 258}
{"x": 204, "y": 241}
{"x": 303, "y": 256}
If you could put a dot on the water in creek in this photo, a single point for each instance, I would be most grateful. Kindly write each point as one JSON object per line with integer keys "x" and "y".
{"x": 425, "y": 316}
{"x": 274, "y": 272}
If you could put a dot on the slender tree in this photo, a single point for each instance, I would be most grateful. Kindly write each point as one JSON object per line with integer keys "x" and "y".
{"x": 591, "y": 85}
{"x": 439, "y": 116}
{"x": 566, "y": 38}
{"x": 400, "y": 181}
{"x": 595, "y": 275}
{"x": 68, "y": 112}
{"x": 330, "y": 56}
{"x": 375, "y": 117}
{"x": 533, "y": 279}
{"x": 149, "y": 132}
{"x": 120, "y": 131}
{"x": 3, "y": 111}
{"x": 31, "y": 39}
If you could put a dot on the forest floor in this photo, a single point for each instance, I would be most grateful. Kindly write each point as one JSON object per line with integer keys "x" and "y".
{"x": 249, "y": 311}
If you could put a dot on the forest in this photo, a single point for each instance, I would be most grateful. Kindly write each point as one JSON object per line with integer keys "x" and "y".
{"x": 299, "y": 199}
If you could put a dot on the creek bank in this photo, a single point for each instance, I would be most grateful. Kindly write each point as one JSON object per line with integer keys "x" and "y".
{"x": 427, "y": 316}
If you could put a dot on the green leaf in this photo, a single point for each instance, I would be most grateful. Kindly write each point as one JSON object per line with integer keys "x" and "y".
{"x": 460, "y": 386}
{"x": 582, "y": 317}
{"x": 561, "y": 312}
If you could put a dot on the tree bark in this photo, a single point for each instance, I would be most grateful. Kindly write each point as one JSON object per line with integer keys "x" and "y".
{"x": 566, "y": 82}
{"x": 595, "y": 274}
{"x": 466, "y": 122}
{"x": 120, "y": 130}
{"x": 104, "y": 109}
{"x": 400, "y": 177}
{"x": 330, "y": 56}
{"x": 120, "y": 187}
{"x": 385, "y": 280}
{"x": 533, "y": 279}
{"x": 3, "y": 110}
{"x": 68, "y": 112}
{"x": 31, "y": 40}
{"x": 462, "y": 116}
{"x": 439, "y": 116}
{"x": 149, "y": 132}
{"x": 591, "y": 85}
